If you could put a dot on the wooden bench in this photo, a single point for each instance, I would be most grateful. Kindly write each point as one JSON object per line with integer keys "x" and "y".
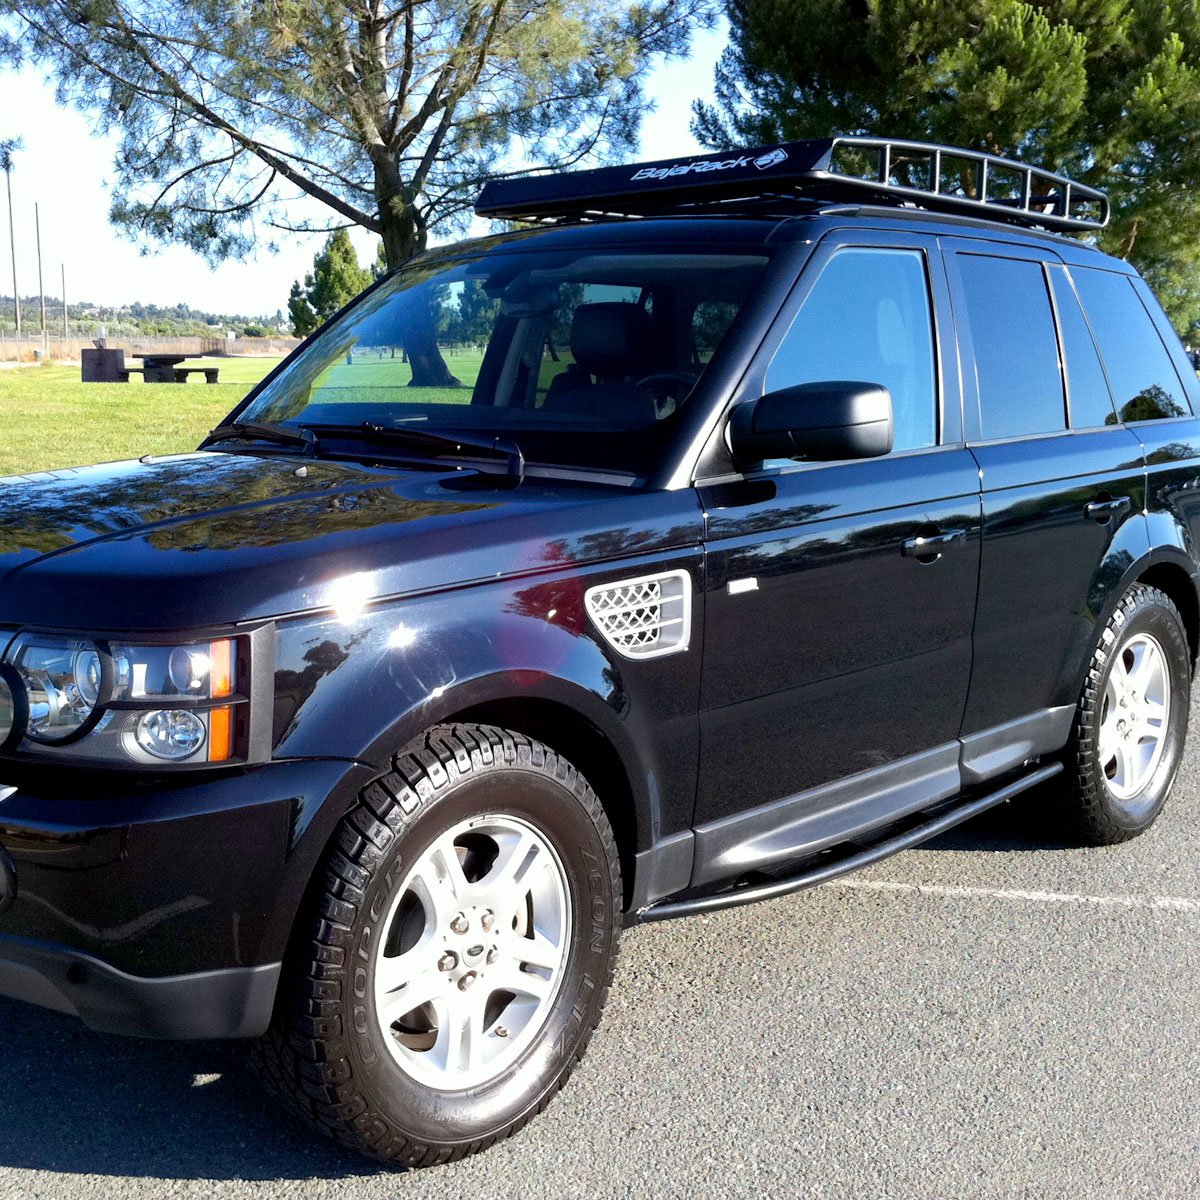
{"x": 124, "y": 373}
{"x": 210, "y": 373}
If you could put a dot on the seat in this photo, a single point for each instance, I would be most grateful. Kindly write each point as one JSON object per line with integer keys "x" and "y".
{"x": 611, "y": 344}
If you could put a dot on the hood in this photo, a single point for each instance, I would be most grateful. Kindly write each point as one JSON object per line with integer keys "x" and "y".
{"x": 210, "y": 539}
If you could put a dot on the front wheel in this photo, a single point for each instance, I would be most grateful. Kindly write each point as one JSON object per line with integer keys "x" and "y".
{"x": 462, "y": 954}
{"x": 1131, "y": 720}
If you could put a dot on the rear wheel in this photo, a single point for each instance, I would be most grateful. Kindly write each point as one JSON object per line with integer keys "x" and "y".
{"x": 1131, "y": 720}
{"x": 462, "y": 954}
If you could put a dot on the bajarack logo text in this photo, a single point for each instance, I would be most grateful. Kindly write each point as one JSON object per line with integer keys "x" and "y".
{"x": 771, "y": 158}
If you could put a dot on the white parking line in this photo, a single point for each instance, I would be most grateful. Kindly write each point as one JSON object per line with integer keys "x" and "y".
{"x": 1182, "y": 904}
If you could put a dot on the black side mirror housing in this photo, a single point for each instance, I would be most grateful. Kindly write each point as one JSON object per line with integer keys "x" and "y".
{"x": 822, "y": 422}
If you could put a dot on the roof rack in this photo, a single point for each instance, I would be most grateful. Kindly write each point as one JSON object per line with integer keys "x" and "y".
{"x": 920, "y": 174}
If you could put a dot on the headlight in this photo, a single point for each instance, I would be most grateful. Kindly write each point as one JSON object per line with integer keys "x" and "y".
{"x": 62, "y": 681}
{"x": 86, "y": 699}
{"x": 171, "y": 734}
{"x": 13, "y": 712}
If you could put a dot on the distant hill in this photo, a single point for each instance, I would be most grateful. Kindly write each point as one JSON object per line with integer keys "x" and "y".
{"x": 146, "y": 320}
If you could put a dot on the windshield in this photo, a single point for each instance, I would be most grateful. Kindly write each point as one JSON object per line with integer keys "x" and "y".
{"x": 582, "y": 358}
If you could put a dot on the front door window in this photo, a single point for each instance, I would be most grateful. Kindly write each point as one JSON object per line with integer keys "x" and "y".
{"x": 868, "y": 319}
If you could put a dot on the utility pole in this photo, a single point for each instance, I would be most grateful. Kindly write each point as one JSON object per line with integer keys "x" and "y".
{"x": 6, "y": 165}
{"x": 37, "y": 225}
{"x": 66, "y": 324}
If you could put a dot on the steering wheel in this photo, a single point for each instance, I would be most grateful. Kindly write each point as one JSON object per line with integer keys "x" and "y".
{"x": 662, "y": 386}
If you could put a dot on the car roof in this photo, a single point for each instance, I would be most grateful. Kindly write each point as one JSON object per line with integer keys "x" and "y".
{"x": 797, "y": 222}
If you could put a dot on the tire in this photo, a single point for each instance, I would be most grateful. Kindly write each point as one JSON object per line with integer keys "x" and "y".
{"x": 447, "y": 1078}
{"x": 1118, "y": 782}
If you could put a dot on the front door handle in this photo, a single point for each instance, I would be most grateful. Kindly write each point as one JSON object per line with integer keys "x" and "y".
{"x": 1102, "y": 510}
{"x": 929, "y": 548}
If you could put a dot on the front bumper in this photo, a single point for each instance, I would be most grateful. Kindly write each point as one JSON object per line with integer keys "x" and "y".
{"x": 162, "y": 911}
{"x": 233, "y": 1003}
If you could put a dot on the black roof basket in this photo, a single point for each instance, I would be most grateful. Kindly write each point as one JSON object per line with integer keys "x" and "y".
{"x": 837, "y": 169}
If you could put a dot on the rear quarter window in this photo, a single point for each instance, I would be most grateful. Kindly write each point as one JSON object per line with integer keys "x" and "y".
{"x": 1144, "y": 383}
{"x": 1088, "y": 397}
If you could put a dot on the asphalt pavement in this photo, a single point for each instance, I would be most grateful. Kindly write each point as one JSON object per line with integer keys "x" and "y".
{"x": 992, "y": 1015}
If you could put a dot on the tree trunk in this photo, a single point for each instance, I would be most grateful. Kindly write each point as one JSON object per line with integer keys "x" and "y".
{"x": 404, "y": 237}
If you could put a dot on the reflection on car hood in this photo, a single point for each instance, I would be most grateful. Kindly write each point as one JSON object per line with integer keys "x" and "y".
{"x": 208, "y": 538}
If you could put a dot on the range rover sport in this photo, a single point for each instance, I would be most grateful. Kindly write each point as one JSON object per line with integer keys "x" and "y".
{"x": 737, "y": 522}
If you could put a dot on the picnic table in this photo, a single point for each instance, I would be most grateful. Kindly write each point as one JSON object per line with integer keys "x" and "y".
{"x": 165, "y": 368}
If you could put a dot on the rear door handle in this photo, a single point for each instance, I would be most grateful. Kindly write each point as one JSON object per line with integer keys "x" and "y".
{"x": 1103, "y": 511}
{"x": 929, "y": 547}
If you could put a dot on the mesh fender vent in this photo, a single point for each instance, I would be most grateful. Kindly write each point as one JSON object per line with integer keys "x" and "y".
{"x": 644, "y": 617}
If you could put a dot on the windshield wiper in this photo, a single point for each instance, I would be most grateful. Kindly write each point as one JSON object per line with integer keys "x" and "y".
{"x": 261, "y": 431}
{"x": 442, "y": 445}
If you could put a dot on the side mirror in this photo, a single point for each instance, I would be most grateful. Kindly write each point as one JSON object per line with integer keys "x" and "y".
{"x": 823, "y": 422}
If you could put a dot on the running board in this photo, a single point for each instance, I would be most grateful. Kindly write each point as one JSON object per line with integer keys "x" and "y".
{"x": 843, "y": 866}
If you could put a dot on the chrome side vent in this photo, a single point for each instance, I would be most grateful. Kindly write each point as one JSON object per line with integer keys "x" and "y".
{"x": 645, "y": 617}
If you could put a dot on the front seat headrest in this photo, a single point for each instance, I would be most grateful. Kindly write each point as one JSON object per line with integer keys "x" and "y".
{"x": 611, "y": 340}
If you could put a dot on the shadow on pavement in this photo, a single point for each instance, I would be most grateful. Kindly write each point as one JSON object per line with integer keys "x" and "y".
{"x": 1025, "y": 823}
{"x": 89, "y": 1103}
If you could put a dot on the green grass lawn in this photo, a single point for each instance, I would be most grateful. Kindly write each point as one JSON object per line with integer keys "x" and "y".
{"x": 377, "y": 378}
{"x": 49, "y": 419}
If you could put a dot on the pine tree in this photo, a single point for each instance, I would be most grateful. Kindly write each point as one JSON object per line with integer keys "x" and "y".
{"x": 304, "y": 320}
{"x": 336, "y": 278}
{"x": 1107, "y": 91}
{"x": 389, "y": 114}
{"x": 471, "y": 317}
{"x": 379, "y": 268}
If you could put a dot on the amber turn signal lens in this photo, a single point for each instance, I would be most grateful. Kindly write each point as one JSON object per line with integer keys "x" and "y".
{"x": 220, "y": 734}
{"x": 221, "y": 678}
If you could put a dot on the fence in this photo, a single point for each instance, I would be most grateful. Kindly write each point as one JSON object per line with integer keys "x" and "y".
{"x": 29, "y": 348}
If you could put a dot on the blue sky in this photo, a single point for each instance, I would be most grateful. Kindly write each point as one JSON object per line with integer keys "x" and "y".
{"x": 65, "y": 166}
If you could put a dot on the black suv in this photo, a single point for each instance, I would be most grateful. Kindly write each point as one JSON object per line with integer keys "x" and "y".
{"x": 749, "y": 518}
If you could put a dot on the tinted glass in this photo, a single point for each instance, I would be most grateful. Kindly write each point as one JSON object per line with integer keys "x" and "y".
{"x": 868, "y": 319}
{"x": 710, "y": 323}
{"x": 1087, "y": 389}
{"x": 1143, "y": 380}
{"x": 563, "y": 351}
{"x": 1016, "y": 350}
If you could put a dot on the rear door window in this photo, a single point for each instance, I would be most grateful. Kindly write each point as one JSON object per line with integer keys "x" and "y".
{"x": 1144, "y": 383}
{"x": 1016, "y": 349}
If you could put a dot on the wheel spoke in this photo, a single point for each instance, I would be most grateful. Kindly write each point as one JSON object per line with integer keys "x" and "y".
{"x": 1145, "y": 734}
{"x": 399, "y": 970}
{"x": 444, "y": 857}
{"x": 504, "y": 884}
{"x": 463, "y": 1032}
{"x": 1120, "y": 777}
{"x": 439, "y": 883}
{"x": 537, "y": 951}
{"x": 1154, "y": 718}
{"x": 1145, "y": 666}
{"x": 1143, "y": 754}
{"x": 428, "y": 984}
{"x": 508, "y": 977}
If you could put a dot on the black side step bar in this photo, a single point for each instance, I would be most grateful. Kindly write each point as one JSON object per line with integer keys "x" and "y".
{"x": 843, "y": 866}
